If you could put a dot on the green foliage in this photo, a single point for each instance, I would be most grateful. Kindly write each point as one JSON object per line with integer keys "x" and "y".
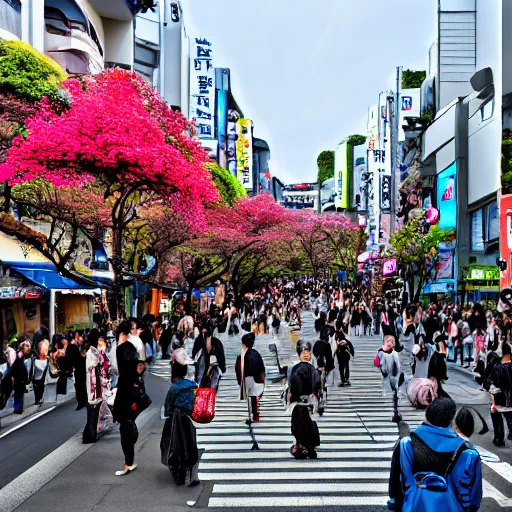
{"x": 325, "y": 163}
{"x": 506, "y": 165}
{"x": 416, "y": 252}
{"x": 355, "y": 140}
{"x": 27, "y": 73}
{"x": 228, "y": 187}
{"x": 412, "y": 79}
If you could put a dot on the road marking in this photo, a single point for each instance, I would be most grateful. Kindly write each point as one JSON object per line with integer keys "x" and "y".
{"x": 491, "y": 460}
{"x": 285, "y": 454}
{"x": 27, "y": 421}
{"x": 293, "y": 464}
{"x": 299, "y": 476}
{"x": 316, "y": 488}
{"x": 298, "y": 501}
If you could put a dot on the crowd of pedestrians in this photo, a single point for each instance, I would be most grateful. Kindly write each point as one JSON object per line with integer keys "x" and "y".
{"x": 108, "y": 363}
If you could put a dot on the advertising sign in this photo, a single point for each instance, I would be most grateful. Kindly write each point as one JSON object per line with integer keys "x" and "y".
{"x": 359, "y": 185}
{"x": 202, "y": 88}
{"x": 341, "y": 176}
{"x": 447, "y": 197}
{"x": 410, "y": 99}
{"x": 445, "y": 266}
{"x": 244, "y": 153}
{"x": 389, "y": 267}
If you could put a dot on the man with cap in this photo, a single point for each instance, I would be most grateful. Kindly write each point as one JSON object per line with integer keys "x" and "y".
{"x": 304, "y": 390}
{"x": 250, "y": 374}
{"x": 435, "y": 449}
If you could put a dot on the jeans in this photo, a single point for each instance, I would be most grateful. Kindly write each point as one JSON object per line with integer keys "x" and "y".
{"x": 497, "y": 423}
{"x": 129, "y": 435}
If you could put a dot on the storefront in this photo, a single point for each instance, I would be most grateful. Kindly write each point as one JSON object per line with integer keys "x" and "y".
{"x": 483, "y": 284}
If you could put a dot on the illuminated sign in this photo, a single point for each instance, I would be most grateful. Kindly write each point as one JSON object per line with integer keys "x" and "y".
{"x": 389, "y": 267}
{"x": 483, "y": 273}
{"x": 244, "y": 152}
{"x": 341, "y": 176}
{"x": 447, "y": 197}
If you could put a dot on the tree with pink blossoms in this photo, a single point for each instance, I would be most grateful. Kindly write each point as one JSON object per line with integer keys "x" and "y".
{"x": 120, "y": 139}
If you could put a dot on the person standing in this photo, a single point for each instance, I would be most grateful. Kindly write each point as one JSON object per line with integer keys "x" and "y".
{"x": 136, "y": 340}
{"x": 76, "y": 356}
{"x": 98, "y": 386}
{"x": 20, "y": 374}
{"x": 178, "y": 445}
{"x": 40, "y": 362}
{"x": 250, "y": 374}
{"x": 501, "y": 394}
{"x": 130, "y": 368}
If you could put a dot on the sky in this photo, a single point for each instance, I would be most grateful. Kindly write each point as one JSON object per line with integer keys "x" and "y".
{"x": 306, "y": 71}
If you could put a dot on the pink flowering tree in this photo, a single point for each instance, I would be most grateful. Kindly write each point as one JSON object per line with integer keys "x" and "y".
{"x": 119, "y": 142}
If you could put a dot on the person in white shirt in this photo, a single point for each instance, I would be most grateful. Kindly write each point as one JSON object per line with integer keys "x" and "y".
{"x": 134, "y": 339}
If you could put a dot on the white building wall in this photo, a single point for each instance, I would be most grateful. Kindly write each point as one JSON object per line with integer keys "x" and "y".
{"x": 119, "y": 41}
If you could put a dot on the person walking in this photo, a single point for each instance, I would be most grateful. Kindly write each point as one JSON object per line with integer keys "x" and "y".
{"x": 344, "y": 352}
{"x": 76, "y": 355}
{"x": 129, "y": 392}
{"x": 208, "y": 353}
{"x": 434, "y": 469}
{"x": 250, "y": 374}
{"x": 41, "y": 363}
{"x": 304, "y": 388}
{"x": 20, "y": 375}
{"x": 178, "y": 445}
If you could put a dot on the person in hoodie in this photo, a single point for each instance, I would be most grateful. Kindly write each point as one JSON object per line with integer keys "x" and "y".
{"x": 250, "y": 374}
{"x": 431, "y": 448}
{"x": 304, "y": 389}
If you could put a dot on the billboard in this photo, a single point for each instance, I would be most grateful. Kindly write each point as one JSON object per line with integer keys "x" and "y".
{"x": 410, "y": 99}
{"x": 359, "y": 186}
{"x": 341, "y": 176}
{"x": 202, "y": 88}
{"x": 447, "y": 197}
{"x": 244, "y": 152}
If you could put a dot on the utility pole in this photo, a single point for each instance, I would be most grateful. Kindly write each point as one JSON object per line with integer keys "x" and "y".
{"x": 395, "y": 131}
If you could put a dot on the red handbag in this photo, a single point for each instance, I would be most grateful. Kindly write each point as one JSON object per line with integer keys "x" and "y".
{"x": 204, "y": 405}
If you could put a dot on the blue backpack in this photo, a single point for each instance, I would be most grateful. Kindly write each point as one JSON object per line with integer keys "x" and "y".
{"x": 432, "y": 492}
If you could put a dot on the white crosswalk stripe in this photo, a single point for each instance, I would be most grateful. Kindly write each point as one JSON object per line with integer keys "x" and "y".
{"x": 357, "y": 436}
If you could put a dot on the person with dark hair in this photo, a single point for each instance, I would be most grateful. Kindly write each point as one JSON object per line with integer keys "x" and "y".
{"x": 435, "y": 469}
{"x": 344, "y": 352}
{"x": 130, "y": 369}
{"x": 464, "y": 423}
{"x": 178, "y": 445}
{"x": 304, "y": 389}
{"x": 501, "y": 395}
{"x": 208, "y": 352}
{"x": 250, "y": 374}
{"x": 20, "y": 375}
{"x": 76, "y": 357}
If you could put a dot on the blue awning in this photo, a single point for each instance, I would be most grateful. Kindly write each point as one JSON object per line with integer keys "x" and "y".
{"x": 45, "y": 275}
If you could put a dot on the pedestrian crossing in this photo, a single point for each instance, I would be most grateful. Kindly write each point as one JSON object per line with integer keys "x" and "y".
{"x": 357, "y": 438}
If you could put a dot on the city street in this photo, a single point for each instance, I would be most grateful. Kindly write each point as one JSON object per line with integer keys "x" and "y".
{"x": 53, "y": 469}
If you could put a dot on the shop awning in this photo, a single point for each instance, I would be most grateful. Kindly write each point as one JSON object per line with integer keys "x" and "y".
{"x": 45, "y": 275}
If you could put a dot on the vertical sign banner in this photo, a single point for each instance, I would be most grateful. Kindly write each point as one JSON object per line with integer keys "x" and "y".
{"x": 244, "y": 152}
{"x": 447, "y": 197}
{"x": 202, "y": 89}
{"x": 359, "y": 188}
{"x": 231, "y": 141}
{"x": 385, "y": 193}
{"x": 341, "y": 176}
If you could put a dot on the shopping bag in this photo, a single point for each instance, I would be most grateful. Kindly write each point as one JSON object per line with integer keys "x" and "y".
{"x": 204, "y": 405}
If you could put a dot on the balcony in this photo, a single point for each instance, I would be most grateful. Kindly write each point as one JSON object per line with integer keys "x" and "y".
{"x": 114, "y": 9}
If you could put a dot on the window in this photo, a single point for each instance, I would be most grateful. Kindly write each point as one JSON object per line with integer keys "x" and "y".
{"x": 477, "y": 232}
{"x": 493, "y": 222}
{"x": 485, "y": 227}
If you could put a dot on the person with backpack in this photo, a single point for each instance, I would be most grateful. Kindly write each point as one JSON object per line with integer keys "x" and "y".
{"x": 433, "y": 469}
{"x": 344, "y": 352}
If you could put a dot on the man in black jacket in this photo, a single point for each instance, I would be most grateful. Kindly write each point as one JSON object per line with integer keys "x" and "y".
{"x": 250, "y": 374}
